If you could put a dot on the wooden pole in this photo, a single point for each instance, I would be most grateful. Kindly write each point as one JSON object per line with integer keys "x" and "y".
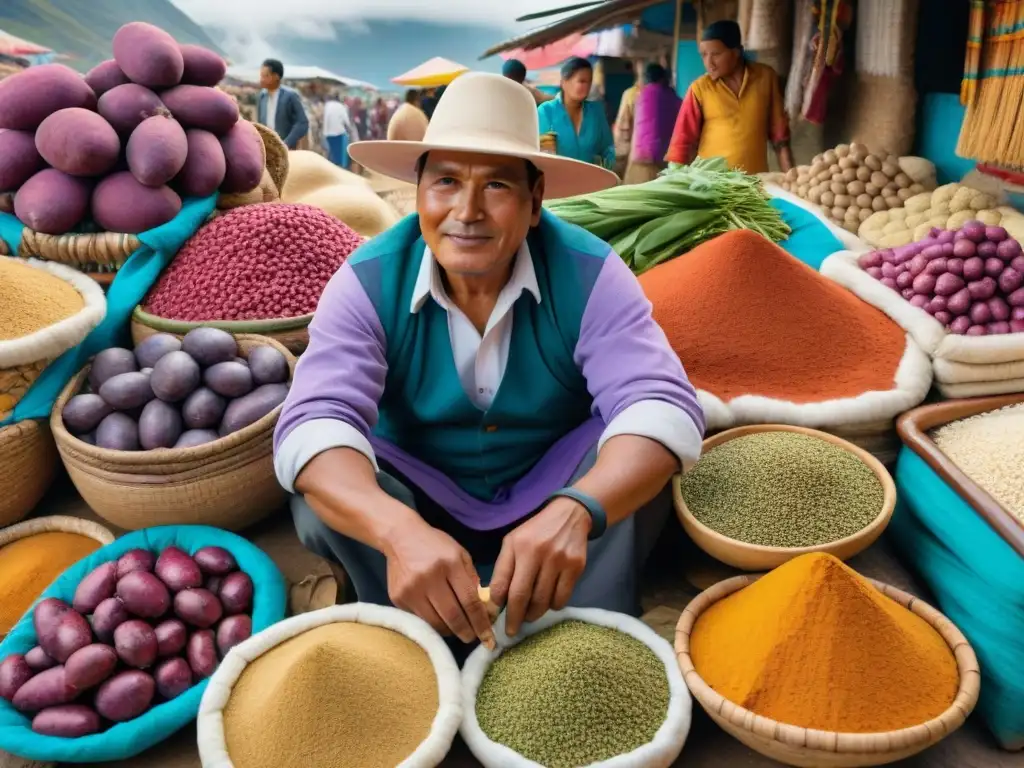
{"x": 674, "y": 53}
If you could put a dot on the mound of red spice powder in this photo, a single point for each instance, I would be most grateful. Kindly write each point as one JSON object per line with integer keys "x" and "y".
{"x": 257, "y": 262}
{"x": 746, "y": 318}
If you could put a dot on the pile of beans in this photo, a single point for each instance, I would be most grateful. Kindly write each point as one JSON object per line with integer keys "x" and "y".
{"x": 574, "y": 694}
{"x": 989, "y": 448}
{"x": 257, "y": 262}
{"x": 782, "y": 489}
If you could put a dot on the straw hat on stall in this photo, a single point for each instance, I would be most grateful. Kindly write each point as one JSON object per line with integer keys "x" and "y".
{"x": 489, "y": 114}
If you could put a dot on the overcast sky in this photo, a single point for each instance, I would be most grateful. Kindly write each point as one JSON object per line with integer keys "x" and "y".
{"x": 304, "y": 17}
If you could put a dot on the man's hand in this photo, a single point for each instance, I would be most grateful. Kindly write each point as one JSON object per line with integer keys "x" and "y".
{"x": 433, "y": 577}
{"x": 540, "y": 562}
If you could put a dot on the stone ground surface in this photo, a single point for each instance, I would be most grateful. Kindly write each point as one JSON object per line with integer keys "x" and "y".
{"x": 677, "y": 573}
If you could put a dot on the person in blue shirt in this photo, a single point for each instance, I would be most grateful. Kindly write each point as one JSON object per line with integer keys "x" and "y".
{"x": 580, "y": 127}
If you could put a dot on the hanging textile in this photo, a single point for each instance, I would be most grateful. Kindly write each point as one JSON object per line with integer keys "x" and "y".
{"x": 885, "y": 37}
{"x": 833, "y": 18}
{"x": 993, "y": 86}
{"x": 803, "y": 56}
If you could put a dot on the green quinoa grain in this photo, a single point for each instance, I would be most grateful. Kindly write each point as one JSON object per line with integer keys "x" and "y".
{"x": 782, "y": 489}
{"x": 573, "y": 695}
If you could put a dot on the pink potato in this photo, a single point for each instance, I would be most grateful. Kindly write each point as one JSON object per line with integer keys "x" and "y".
{"x": 78, "y": 142}
{"x": 178, "y": 570}
{"x": 125, "y": 696}
{"x": 136, "y": 644}
{"x": 202, "y": 66}
{"x": 204, "y": 167}
{"x": 19, "y": 158}
{"x": 243, "y": 154}
{"x": 157, "y": 150}
{"x": 121, "y": 204}
{"x": 69, "y": 721}
{"x": 144, "y": 595}
{"x": 52, "y": 202}
{"x": 126, "y": 106}
{"x": 104, "y": 76}
{"x": 198, "y": 608}
{"x": 61, "y": 630}
{"x": 96, "y": 587}
{"x": 173, "y": 677}
{"x": 198, "y": 107}
{"x": 171, "y": 637}
{"x": 135, "y": 560}
{"x": 107, "y": 617}
{"x": 90, "y": 666}
{"x": 38, "y": 660}
{"x": 202, "y": 653}
{"x": 148, "y": 55}
{"x": 14, "y": 673}
{"x": 30, "y": 96}
{"x": 47, "y": 689}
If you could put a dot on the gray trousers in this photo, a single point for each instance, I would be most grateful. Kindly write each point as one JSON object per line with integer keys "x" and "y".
{"x": 610, "y": 581}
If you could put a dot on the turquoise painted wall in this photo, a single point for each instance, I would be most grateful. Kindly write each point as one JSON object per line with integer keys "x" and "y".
{"x": 938, "y": 128}
{"x": 688, "y": 65}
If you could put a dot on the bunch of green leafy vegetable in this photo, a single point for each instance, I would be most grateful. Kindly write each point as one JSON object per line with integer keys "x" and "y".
{"x": 685, "y": 206}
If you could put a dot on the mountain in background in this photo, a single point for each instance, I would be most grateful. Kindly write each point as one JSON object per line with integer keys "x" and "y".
{"x": 83, "y": 29}
{"x": 374, "y": 50}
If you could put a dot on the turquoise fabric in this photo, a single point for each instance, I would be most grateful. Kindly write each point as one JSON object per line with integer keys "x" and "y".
{"x": 124, "y": 740}
{"x": 594, "y": 142}
{"x": 810, "y": 240}
{"x": 543, "y": 394}
{"x": 129, "y": 287}
{"x": 978, "y": 580}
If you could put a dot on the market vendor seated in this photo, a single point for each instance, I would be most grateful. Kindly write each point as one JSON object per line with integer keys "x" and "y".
{"x": 485, "y": 395}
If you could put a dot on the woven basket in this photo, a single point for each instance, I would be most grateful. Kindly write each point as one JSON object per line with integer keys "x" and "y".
{"x": 229, "y": 483}
{"x": 660, "y": 752}
{"x": 23, "y": 359}
{"x": 28, "y": 464}
{"x": 811, "y": 748}
{"x": 402, "y": 199}
{"x": 290, "y": 332}
{"x": 213, "y": 748}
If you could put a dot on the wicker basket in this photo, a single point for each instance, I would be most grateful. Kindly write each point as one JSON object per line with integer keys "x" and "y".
{"x": 28, "y": 463}
{"x": 229, "y": 483}
{"x": 660, "y": 752}
{"x": 23, "y": 359}
{"x": 811, "y": 748}
{"x": 290, "y": 332}
{"x": 213, "y": 748}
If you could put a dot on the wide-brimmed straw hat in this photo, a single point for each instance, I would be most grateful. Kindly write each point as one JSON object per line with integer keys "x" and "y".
{"x": 488, "y": 114}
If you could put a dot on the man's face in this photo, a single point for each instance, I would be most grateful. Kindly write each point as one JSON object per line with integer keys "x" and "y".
{"x": 476, "y": 210}
{"x": 268, "y": 79}
{"x": 719, "y": 60}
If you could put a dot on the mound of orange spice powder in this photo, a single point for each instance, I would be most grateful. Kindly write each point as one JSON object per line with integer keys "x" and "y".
{"x": 746, "y": 318}
{"x": 814, "y": 644}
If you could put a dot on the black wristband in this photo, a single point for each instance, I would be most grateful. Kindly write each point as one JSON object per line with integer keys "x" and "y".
{"x": 598, "y": 517}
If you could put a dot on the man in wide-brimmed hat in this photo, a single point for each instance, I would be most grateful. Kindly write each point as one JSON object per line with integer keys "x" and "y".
{"x": 485, "y": 395}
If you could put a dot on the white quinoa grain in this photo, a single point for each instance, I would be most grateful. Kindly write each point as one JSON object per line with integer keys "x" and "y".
{"x": 989, "y": 448}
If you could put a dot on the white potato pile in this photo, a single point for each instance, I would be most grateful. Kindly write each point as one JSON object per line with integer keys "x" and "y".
{"x": 850, "y": 183}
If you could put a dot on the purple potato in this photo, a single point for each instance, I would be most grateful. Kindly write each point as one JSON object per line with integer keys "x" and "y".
{"x": 135, "y": 560}
{"x": 209, "y": 346}
{"x": 107, "y": 617}
{"x": 90, "y": 666}
{"x": 47, "y": 689}
{"x": 125, "y": 696}
{"x": 198, "y": 608}
{"x": 232, "y": 631}
{"x": 150, "y": 350}
{"x": 38, "y": 660}
{"x": 194, "y": 437}
{"x": 83, "y": 413}
{"x": 171, "y": 637}
{"x": 175, "y": 376}
{"x": 144, "y": 595}
{"x": 203, "y": 409}
{"x": 202, "y": 653}
{"x": 14, "y": 673}
{"x": 215, "y": 561}
{"x": 136, "y": 644}
{"x": 177, "y": 570}
{"x": 96, "y": 587}
{"x": 69, "y": 721}
{"x": 236, "y": 593}
{"x": 109, "y": 363}
{"x": 173, "y": 677}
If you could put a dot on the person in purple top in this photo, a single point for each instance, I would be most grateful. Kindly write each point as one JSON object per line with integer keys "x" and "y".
{"x": 485, "y": 396}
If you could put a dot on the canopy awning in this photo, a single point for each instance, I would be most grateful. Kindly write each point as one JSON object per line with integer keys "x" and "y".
{"x": 299, "y": 74}
{"x": 431, "y": 74}
{"x": 16, "y": 46}
{"x": 555, "y": 53}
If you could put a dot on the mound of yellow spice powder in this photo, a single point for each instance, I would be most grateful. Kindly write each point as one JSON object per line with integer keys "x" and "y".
{"x": 344, "y": 694}
{"x": 29, "y": 565}
{"x": 573, "y": 695}
{"x": 814, "y": 644}
{"x": 32, "y": 299}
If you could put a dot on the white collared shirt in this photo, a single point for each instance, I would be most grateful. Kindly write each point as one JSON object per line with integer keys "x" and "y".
{"x": 337, "y": 120}
{"x": 272, "y": 97}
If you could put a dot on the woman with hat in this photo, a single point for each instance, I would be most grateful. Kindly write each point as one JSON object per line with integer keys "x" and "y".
{"x": 485, "y": 397}
{"x": 580, "y": 127}
{"x": 734, "y": 110}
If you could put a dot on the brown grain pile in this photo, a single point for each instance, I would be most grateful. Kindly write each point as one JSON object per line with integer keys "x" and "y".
{"x": 31, "y": 299}
{"x": 341, "y": 694}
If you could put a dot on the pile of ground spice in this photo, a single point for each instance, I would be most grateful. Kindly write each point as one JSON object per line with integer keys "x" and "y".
{"x": 989, "y": 448}
{"x": 32, "y": 299}
{"x": 340, "y": 694}
{"x": 782, "y": 489}
{"x": 814, "y": 644}
{"x": 29, "y": 565}
{"x": 573, "y": 695}
{"x": 746, "y": 318}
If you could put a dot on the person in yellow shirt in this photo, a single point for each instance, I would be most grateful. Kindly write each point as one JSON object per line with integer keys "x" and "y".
{"x": 734, "y": 110}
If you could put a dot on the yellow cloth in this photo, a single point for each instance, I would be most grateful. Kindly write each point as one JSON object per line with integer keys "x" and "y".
{"x": 409, "y": 123}
{"x": 624, "y": 121}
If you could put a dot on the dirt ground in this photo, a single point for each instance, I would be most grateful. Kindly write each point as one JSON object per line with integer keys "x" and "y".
{"x": 675, "y": 575}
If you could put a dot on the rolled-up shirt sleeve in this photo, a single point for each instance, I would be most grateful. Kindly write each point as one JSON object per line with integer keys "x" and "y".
{"x": 686, "y": 135}
{"x": 636, "y": 379}
{"x": 338, "y": 381}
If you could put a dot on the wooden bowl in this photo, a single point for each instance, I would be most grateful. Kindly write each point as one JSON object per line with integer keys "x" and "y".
{"x": 810, "y": 748}
{"x": 756, "y": 557}
{"x": 914, "y": 426}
